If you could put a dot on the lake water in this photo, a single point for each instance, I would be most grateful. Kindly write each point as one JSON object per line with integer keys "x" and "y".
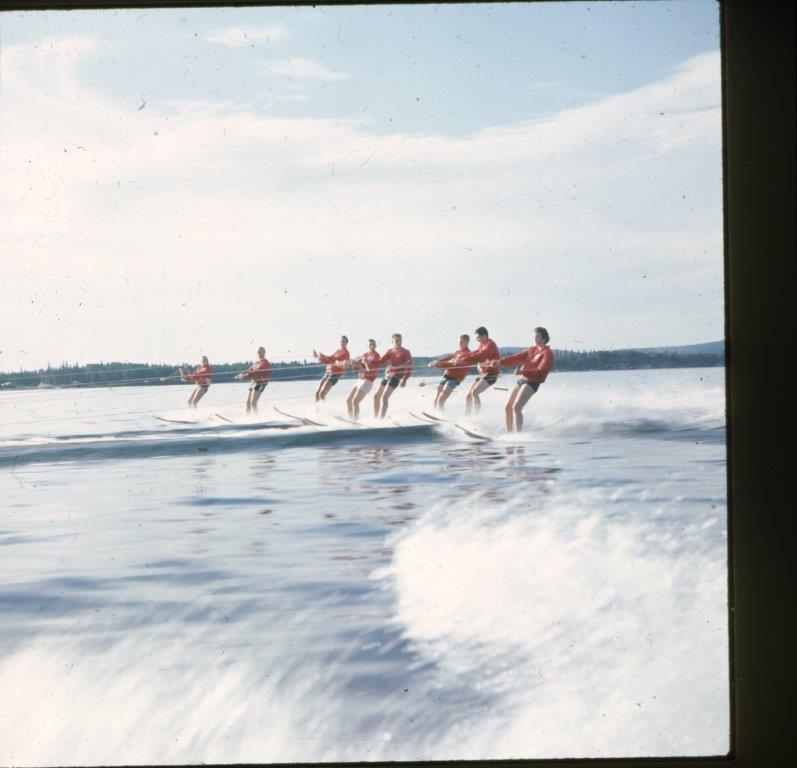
{"x": 221, "y": 593}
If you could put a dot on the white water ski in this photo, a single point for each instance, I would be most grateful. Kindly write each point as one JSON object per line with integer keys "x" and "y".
{"x": 348, "y": 421}
{"x": 474, "y": 435}
{"x": 432, "y": 417}
{"x": 422, "y": 418}
{"x": 224, "y": 418}
{"x": 308, "y": 422}
{"x": 173, "y": 421}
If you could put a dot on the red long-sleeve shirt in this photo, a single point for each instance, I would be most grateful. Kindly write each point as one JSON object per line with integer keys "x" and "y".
{"x": 454, "y": 364}
{"x": 259, "y": 371}
{"x": 399, "y": 363}
{"x": 485, "y": 352}
{"x": 339, "y": 356}
{"x": 537, "y": 362}
{"x": 201, "y": 376}
{"x": 372, "y": 360}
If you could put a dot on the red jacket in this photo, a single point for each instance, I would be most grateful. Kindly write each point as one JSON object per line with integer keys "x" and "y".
{"x": 455, "y": 368}
{"x": 340, "y": 356}
{"x": 399, "y": 363}
{"x": 372, "y": 360}
{"x": 537, "y": 362}
{"x": 259, "y": 371}
{"x": 201, "y": 376}
{"x": 487, "y": 350}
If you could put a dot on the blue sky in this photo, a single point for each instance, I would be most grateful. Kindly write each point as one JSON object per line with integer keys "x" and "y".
{"x": 232, "y": 177}
{"x": 448, "y": 68}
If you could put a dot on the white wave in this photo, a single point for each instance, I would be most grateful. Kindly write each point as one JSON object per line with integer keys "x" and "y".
{"x": 167, "y": 700}
{"x": 599, "y": 623}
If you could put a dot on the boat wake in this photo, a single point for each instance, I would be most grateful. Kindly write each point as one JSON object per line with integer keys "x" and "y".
{"x": 135, "y": 444}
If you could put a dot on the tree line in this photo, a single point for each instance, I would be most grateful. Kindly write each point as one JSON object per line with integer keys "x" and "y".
{"x": 143, "y": 374}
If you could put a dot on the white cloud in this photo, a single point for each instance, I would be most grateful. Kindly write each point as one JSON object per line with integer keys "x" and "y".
{"x": 602, "y": 223}
{"x": 302, "y": 69}
{"x": 238, "y": 37}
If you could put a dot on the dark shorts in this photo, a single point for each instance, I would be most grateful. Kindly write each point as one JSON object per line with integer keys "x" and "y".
{"x": 332, "y": 378}
{"x": 393, "y": 381}
{"x": 203, "y": 386}
{"x": 491, "y": 379}
{"x": 533, "y": 385}
{"x": 258, "y": 386}
{"x": 449, "y": 382}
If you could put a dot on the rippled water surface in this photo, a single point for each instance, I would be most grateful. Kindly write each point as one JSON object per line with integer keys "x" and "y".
{"x": 265, "y": 591}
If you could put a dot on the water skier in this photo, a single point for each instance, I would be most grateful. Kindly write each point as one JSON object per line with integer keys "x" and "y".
{"x": 485, "y": 355}
{"x": 259, "y": 373}
{"x": 368, "y": 366}
{"x": 399, "y": 369}
{"x": 335, "y": 363}
{"x": 455, "y": 371}
{"x": 201, "y": 376}
{"x": 536, "y": 363}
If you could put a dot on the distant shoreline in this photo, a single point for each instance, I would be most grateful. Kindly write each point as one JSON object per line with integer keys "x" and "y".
{"x": 143, "y": 374}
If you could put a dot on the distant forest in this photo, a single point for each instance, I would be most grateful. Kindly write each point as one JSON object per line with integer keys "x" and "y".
{"x": 141, "y": 374}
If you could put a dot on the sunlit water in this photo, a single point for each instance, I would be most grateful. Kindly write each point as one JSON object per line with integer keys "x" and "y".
{"x": 185, "y": 593}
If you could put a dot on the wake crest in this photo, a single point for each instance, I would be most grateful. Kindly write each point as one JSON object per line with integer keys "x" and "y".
{"x": 185, "y": 442}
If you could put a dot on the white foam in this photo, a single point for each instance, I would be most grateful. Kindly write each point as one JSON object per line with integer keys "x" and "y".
{"x": 602, "y": 638}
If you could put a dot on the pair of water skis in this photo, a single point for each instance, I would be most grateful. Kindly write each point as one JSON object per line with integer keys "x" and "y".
{"x": 307, "y": 422}
{"x": 310, "y": 422}
{"x": 173, "y": 421}
{"x": 239, "y": 425}
{"x": 429, "y": 418}
{"x": 183, "y": 421}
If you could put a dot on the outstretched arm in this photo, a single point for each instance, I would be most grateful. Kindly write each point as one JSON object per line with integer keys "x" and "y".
{"x": 510, "y": 360}
{"x": 441, "y": 362}
{"x": 475, "y": 356}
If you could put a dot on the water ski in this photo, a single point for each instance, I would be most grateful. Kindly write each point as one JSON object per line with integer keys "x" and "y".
{"x": 308, "y": 422}
{"x": 421, "y": 418}
{"x": 224, "y": 418}
{"x": 173, "y": 421}
{"x": 474, "y": 435}
{"x": 348, "y": 421}
{"x": 432, "y": 417}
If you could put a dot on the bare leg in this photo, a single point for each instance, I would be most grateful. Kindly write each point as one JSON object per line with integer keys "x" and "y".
{"x": 355, "y": 406}
{"x": 249, "y": 400}
{"x": 378, "y": 400}
{"x": 510, "y": 408}
{"x": 523, "y": 397}
{"x": 361, "y": 391}
{"x": 472, "y": 400}
{"x": 255, "y": 398}
{"x": 325, "y": 390}
{"x": 385, "y": 397}
{"x": 350, "y": 403}
{"x": 320, "y": 389}
{"x": 444, "y": 395}
{"x": 440, "y": 389}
